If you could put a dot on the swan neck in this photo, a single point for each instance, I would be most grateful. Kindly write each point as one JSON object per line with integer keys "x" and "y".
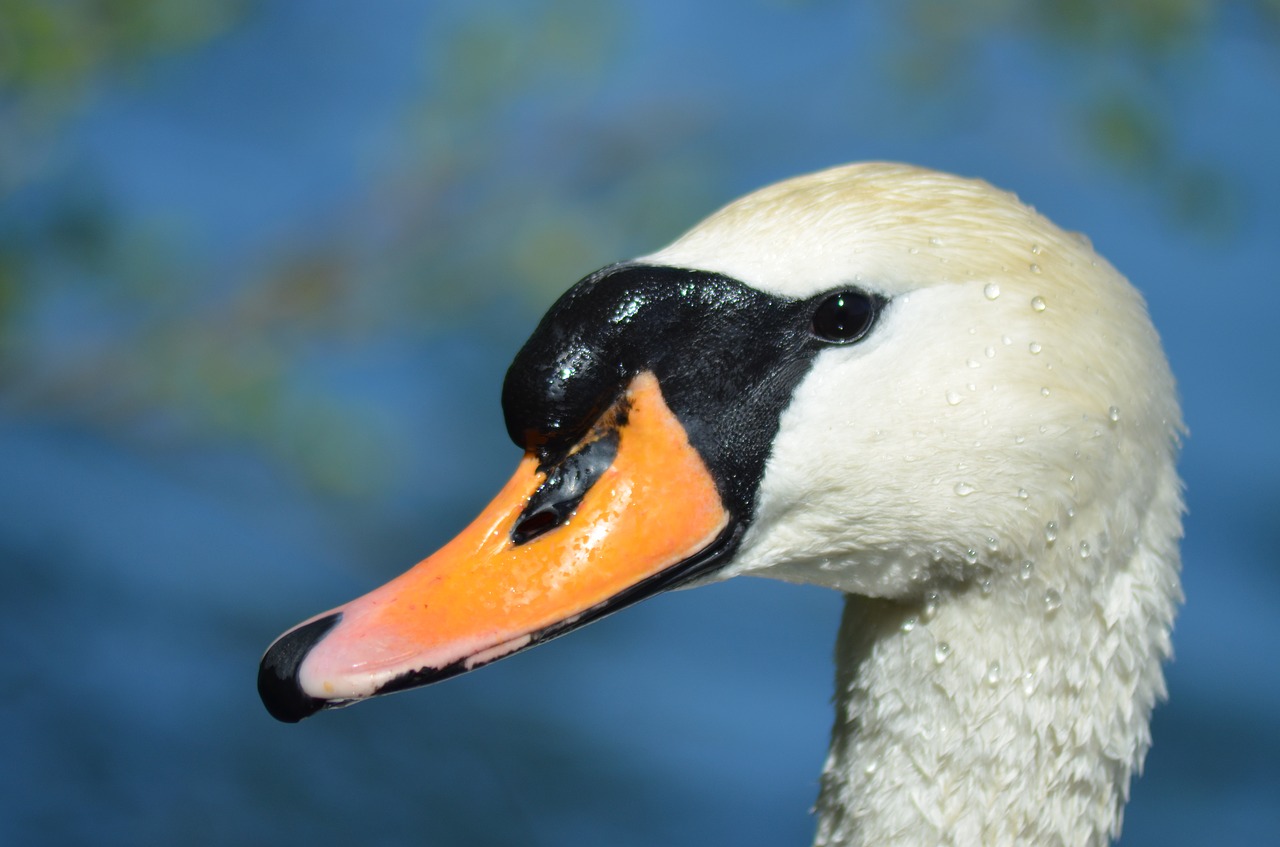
{"x": 1013, "y": 710}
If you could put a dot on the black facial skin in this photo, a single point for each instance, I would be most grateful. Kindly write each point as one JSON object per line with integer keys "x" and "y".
{"x": 727, "y": 358}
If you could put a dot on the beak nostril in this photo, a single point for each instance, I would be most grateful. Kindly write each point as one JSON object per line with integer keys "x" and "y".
{"x": 564, "y": 487}
{"x": 538, "y": 523}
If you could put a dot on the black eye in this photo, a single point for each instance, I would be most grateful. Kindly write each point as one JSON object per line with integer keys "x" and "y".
{"x": 844, "y": 317}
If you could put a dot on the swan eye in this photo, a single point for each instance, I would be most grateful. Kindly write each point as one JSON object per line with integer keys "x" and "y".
{"x": 844, "y": 317}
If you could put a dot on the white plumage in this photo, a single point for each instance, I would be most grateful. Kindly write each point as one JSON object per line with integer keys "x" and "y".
{"x": 990, "y": 475}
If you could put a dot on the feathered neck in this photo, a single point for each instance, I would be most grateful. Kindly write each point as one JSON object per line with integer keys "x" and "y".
{"x": 1012, "y": 709}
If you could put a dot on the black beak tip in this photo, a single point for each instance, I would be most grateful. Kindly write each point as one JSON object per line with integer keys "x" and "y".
{"x": 278, "y": 672}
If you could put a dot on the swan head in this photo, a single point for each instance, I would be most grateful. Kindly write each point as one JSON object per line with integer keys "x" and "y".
{"x": 1012, "y": 380}
{"x": 877, "y": 378}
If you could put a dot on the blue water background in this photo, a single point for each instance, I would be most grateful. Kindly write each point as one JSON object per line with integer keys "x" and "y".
{"x": 142, "y": 577}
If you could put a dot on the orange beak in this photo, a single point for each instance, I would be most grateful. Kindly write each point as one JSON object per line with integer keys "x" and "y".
{"x": 649, "y": 519}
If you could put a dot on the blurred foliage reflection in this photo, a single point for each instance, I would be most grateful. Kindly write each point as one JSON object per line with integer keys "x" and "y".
{"x": 516, "y": 169}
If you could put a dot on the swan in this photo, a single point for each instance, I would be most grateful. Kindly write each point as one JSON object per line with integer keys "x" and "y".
{"x": 900, "y": 384}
